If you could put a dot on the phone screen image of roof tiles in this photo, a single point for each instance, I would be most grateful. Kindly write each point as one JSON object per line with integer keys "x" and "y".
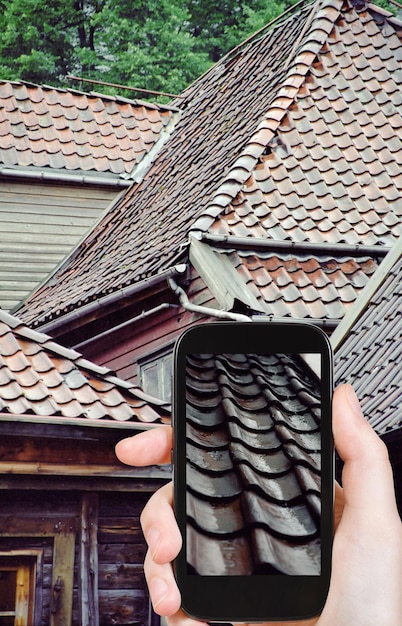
{"x": 253, "y": 465}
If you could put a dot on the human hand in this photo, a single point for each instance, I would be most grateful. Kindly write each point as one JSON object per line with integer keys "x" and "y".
{"x": 367, "y": 553}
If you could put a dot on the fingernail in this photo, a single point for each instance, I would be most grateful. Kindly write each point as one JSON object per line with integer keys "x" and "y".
{"x": 354, "y": 401}
{"x": 158, "y": 589}
{"x": 153, "y": 539}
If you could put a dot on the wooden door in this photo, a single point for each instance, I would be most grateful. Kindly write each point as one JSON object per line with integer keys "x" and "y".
{"x": 16, "y": 591}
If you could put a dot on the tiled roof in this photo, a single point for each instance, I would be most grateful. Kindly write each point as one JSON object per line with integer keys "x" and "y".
{"x": 329, "y": 168}
{"x": 300, "y": 283}
{"x": 40, "y": 378}
{"x": 44, "y": 127}
{"x": 295, "y": 136}
{"x": 252, "y": 418}
{"x": 370, "y": 356}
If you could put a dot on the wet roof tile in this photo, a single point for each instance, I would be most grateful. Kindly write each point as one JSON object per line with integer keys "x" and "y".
{"x": 39, "y": 377}
{"x": 57, "y": 121}
{"x": 252, "y": 403}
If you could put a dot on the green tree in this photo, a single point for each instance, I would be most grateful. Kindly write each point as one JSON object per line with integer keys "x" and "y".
{"x": 140, "y": 43}
{"x": 219, "y": 26}
{"x": 35, "y": 39}
{"x": 158, "y": 45}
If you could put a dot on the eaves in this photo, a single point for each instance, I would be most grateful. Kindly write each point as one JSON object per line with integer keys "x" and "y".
{"x": 78, "y": 177}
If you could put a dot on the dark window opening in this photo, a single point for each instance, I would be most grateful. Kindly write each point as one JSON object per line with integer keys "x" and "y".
{"x": 155, "y": 372}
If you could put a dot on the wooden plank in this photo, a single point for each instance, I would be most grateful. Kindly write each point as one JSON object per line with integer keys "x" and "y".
{"x": 64, "y": 239}
{"x": 89, "y": 560}
{"x": 63, "y": 574}
{"x": 43, "y": 223}
{"x": 128, "y": 608}
{"x": 54, "y": 469}
{"x": 52, "y": 208}
{"x": 13, "y": 526}
{"x": 59, "y": 451}
{"x": 36, "y": 248}
{"x": 119, "y": 529}
{"x": 121, "y": 576}
{"x": 122, "y": 553}
{"x": 82, "y": 220}
{"x": 123, "y": 505}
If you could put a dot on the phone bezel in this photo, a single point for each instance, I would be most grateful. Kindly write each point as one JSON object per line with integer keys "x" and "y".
{"x": 261, "y": 597}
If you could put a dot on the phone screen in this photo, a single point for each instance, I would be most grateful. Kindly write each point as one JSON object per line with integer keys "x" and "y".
{"x": 253, "y": 464}
{"x": 253, "y": 470}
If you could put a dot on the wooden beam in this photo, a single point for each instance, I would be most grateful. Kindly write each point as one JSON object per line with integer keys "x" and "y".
{"x": 131, "y": 484}
{"x": 89, "y": 560}
{"x": 14, "y": 526}
{"x": 58, "y": 469}
{"x": 62, "y": 580}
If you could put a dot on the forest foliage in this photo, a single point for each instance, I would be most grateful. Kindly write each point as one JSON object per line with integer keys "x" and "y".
{"x": 160, "y": 45}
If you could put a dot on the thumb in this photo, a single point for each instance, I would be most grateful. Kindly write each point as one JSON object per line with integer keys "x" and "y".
{"x": 367, "y": 475}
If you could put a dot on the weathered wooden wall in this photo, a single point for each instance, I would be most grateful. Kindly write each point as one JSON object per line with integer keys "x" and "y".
{"x": 42, "y": 520}
{"x": 123, "y": 596}
{"x": 36, "y": 521}
{"x": 39, "y": 225}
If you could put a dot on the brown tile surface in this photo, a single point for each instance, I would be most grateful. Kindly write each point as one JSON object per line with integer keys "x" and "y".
{"x": 302, "y": 285}
{"x": 40, "y": 378}
{"x": 48, "y": 127}
{"x": 310, "y": 151}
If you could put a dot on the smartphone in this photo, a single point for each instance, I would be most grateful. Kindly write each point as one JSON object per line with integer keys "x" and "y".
{"x": 253, "y": 470}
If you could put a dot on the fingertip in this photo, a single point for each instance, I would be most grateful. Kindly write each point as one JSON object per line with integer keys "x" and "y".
{"x": 354, "y": 437}
{"x": 165, "y": 598}
{"x": 163, "y": 591}
{"x": 150, "y": 447}
{"x": 367, "y": 474}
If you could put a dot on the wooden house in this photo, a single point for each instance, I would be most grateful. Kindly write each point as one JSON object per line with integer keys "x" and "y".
{"x": 277, "y": 194}
{"x": 71, "y": 547}
{"x": 64, "y": 158}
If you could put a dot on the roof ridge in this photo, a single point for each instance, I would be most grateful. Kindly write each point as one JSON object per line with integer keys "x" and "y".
{"x": 90, "y": 94}
{"x": 244, "y": 164}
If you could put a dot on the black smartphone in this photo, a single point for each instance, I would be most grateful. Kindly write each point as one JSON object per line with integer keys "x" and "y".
{"x": 253, "y": 470}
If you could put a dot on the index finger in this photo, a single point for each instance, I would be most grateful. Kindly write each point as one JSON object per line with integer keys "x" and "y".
{"x": 151, "y": 447}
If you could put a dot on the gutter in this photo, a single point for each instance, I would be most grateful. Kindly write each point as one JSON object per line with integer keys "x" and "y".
{"x": 259, "y": 243}
{"x": 58, "y": 177}
{"x": 111, "y": 299}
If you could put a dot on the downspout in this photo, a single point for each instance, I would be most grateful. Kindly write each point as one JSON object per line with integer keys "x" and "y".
{"x": 204, "y": 310}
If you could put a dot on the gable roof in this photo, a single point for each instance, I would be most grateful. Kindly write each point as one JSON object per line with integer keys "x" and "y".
{"x": 41, "y": 380}
{"x": 368, "y": 345}
{"x": 64, "y": 155}
{"x": 293, "y": 137}
{"x": 73, "y": 132}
